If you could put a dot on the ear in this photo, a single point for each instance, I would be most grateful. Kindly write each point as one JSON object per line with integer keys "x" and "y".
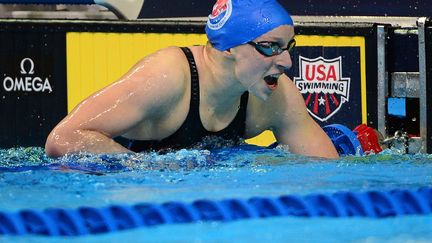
{"x": 228, "y": 54}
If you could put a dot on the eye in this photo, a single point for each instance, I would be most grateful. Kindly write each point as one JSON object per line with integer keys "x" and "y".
{"x": 266, "y": 44}
{"x": 277, "y": 47}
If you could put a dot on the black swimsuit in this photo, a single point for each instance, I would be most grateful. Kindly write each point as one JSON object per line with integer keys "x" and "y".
{"x": 192, "y": 130}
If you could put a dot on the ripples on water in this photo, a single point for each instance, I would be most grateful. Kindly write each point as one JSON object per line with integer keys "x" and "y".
{"x": 29, "y": 179}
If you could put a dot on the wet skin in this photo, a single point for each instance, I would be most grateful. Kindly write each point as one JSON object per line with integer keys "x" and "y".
{"x": 151, "y": 101}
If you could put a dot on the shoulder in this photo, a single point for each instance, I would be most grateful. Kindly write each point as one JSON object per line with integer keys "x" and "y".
{"x": 169, "y": 63}
{"x": 290, "y": 107}
{"x": 166, "y": 69}
{"x": 282, "y": 108}
{"x": 167, "y": 56}
{"x": 287, "y": 92}
{"x": 155, "y": 84}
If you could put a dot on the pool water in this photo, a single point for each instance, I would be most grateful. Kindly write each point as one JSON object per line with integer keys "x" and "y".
{"x": 30, "y": 180}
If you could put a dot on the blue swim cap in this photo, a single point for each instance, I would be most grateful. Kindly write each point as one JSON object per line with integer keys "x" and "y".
{"x": 235, "y": 22}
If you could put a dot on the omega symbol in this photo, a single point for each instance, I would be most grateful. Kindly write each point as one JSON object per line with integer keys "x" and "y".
{"x": 30, "y": 61}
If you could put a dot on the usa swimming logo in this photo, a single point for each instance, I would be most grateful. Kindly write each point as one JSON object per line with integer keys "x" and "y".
{"x": 220, "y": 14}
{"x": 322, "y": 86}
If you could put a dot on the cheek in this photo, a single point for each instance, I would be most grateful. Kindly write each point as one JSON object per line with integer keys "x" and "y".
{"x": 251, "y": 70}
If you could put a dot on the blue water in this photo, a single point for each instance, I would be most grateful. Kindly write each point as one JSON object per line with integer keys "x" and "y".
{"x": 28, "y": 179}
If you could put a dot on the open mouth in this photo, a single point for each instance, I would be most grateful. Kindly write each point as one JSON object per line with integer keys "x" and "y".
{"x": 271, "y": 80}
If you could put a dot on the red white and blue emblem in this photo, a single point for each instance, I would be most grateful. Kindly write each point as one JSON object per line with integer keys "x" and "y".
{"x": 322, "y": 86}
{"x": 220, "y": 14}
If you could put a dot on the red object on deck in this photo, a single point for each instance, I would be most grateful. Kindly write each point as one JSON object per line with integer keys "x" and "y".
{"x": 368, "y": 139}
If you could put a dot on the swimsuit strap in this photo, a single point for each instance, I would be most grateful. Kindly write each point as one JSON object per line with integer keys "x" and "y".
{"x": 195, "y": 90}
{"x": 193, "y": 120}
{"x": 192, "y": 130}
{"x": 193, "y": 114}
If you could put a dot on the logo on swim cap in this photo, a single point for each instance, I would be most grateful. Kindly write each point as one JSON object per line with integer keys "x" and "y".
{"x": 220, "y": 14}
{"x": 322, "y": 85}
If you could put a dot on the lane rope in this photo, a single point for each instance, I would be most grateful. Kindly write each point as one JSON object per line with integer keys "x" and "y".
{"x": 92, "y": 220}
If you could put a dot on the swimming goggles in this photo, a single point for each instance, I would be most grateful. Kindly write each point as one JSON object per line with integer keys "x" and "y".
{"x": 269, "y": 49}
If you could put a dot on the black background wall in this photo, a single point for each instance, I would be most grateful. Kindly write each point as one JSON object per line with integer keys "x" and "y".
{"x": 200, "y": 8}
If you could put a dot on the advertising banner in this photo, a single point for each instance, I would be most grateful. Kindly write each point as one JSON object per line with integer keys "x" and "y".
{"x": 330, "y": 73}
{"x": 32, "y": 86}
{"x": 48, "y": 68}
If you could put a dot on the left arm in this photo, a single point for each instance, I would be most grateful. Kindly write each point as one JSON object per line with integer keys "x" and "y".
{"x": 292, "y": 125}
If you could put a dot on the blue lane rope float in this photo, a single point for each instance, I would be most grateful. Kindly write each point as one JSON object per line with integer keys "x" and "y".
{"x": 345, "y": 140}
{"x": 90, "y": 220}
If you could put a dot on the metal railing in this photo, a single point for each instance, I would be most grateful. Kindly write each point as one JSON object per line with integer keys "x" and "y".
{"x": 123, "y": 9}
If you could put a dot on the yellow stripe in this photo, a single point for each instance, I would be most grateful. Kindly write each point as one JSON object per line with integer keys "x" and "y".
{"x": 363, "y": 81}
{"x": 95, "y": 60}
{"x": 264, "y": 139}
{"x": 71, "y": 57}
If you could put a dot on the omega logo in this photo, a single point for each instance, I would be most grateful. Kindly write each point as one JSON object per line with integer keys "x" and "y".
{"x": 31, "y": 63}
{"x": 27, "y": 81}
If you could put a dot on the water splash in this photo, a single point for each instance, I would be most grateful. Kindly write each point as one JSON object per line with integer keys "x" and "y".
{"x": 21, "y": 156}
{"x": 34, "y": 158}
{"x": 201, "y": 158}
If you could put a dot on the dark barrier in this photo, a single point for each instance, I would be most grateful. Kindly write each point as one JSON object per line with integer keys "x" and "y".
{"x": 89, "y": 220}
{"x": 192, "y": 8}
{"x": 402, "y": 53}
{"x": 33, "y": 83}
{"x": 334, "y": 67}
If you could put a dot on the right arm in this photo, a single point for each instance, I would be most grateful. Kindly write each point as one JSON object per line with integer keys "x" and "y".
{"x": 143, "y": 92}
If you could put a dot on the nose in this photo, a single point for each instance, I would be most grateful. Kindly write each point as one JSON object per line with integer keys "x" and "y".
{"x": 283, "y": 61}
